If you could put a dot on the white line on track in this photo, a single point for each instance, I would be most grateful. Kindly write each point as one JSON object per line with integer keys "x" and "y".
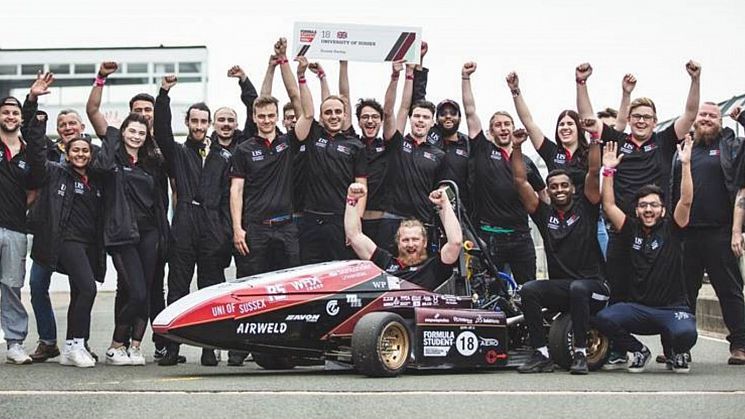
{"x": 371, "y": 393}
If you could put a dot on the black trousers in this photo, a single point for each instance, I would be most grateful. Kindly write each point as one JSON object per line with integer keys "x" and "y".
{"x": 580, "y": 297}
{"x": 322, "y": 239}
{"x": 618, "y": 266}
{"x": 514, "y": 249}
{"x": 271, "y": 247}
{"x": 77, "y": 260}
{"x": 135, "y": 266}
{"x": 708, "y": 249}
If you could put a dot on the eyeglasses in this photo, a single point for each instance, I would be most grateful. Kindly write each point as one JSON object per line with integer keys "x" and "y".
{"x": 639, "y": 117}
{"x": 653, "y": 205}
{"x": 375, "y": 117}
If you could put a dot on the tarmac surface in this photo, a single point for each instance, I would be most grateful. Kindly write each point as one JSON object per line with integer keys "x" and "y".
{"x": 712, "y": 388}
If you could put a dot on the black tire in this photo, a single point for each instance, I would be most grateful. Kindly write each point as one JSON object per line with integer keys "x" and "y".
{"x": 381, "y": 345}
{"x": 561, "y": 344}
{"x": 273, "y": 362}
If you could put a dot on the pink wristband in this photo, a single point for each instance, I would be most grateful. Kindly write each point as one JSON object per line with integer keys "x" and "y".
{"x": 609, "y": 171}
{"x": 100, "y": 81}
{"x": 301, "y": 80}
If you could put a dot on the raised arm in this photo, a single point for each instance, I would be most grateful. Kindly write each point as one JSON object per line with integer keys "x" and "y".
{"x": 420, "y": 76}
{"x": 40, "y": 87}
{"x": 305, "y": 118}
{"x": 248, "y": 96}
{"x": 93, "y": 107}
{"x": 362, "y": 245}
{"x": 628, "y": 83}
{"x": 520, "y": 172}
{"x": 683, "y": 207}
{"x": 469, "y": 103}
{"x": 534, "y": 132}
{"x": 288, "y": 79}
{"x": 684, "y": 123}
{"x": 592, "y": 178}
{"x": 268, "y": 83}
{"x": 451, "y": 250}
{"x": 584, "y": 107}
{"x": 344, "y": 91}
{"x": 405, "y": 107}
{"x": 610, "y": 161}
{"x": 162, "y": 130}
{"x": 389, "y": 121}
{"x": 317, "y": 69}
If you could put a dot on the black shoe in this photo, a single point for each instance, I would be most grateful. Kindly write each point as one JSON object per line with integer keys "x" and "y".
{"x": 181, "y": 359}
{"x": 208, "y": 358}
{"x": 170, "y": 358}
{"x": 537, "y": 363}
{"x": 660, "y": 359}
{"x": 93, "y": 354}
{"x": 639, "y": 360}
{"x": 235, "y": 359}
{"x": 579, "y": 364}
{"x": 679, "y": 364}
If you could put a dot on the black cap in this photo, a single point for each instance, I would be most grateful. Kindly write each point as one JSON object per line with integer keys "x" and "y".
{"x": 11, "y": 101}
{"x": 448, "y": 102}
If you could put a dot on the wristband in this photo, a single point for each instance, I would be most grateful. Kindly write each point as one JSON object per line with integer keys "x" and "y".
{"x": 301, "y": 80}
{"x": 394, "y": 76}
{"x": 465, "y": 78}
{"x": 321, "y": 75}
{"x": 409, "y": 77}
{"x": 352, "y": 201}
{"x": 280, "y": 61}
{"x": 581, "y": 82}
{"x": 608, "y": 171}
{"x": 515, "y": 92}
{"x": 594, "y": 135}
{"x": 100, "y": 81}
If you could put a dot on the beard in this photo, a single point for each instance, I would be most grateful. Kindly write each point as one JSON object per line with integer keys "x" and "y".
{"x": 706, "y": 134}
{"x": 411, "y": 259}
{"x": 449, "y": 131}
{"x": 7, "y": 129}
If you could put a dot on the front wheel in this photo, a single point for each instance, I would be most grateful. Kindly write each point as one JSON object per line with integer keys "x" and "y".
{"x": 561, "y": 344}
{"x": 381, "y": 345}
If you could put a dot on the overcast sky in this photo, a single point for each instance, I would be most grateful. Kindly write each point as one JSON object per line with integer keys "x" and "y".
{"x": 542, "y": 40}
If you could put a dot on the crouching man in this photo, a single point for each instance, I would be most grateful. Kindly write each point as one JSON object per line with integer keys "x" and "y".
{"x": 657, "y": 302}
{"x": 412, "y": 263}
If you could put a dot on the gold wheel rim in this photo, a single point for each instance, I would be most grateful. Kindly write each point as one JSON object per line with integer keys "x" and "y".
{"x": 393, "y": 345}
{"x": 597, "y": 346}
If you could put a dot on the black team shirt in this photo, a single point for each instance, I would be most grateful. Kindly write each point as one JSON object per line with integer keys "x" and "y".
{"x": 656, "y": 263}
{"x": 266, "y": 169}
{"x": 648, "y": 163}
{"x": 86, "y": 206}
{"x": 570, "y": 239}
{"x": 413, "y": 173}
{"x": 495, "y": 199}
{"x": 377, "y": 166}
{"x": 558, "y": 157}
{"x": 333, "y": 162}
{"x": 428, "y": 274}
{"x": 456, "y": 160}
{"x": 15, "y": 178}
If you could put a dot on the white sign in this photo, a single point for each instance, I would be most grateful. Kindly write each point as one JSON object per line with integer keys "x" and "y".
{"x": 337, "y": 41}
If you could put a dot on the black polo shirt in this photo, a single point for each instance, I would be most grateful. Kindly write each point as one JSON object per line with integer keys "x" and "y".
{"x": 712, "y": 206}
{"x": 333, "y": 162}
{"x": 413, "y": 171}
{"x": 429, "y": 274}
{"x": 141, "y": 193}
{"x": 642, "y": 165}
{"x": 557, "y": 157}
{"x": 84, "y": 212}
{"x": 266, "y": 168}
{"x": 456, "y": 159}
{"x": 496, "y": 201}
{"x": 15, "y": 178}
{"x": 377, "y": 167}
{"x": 299, "y": 162}
{"x": 656, "y": 263}
{"x": 570, "y": 239}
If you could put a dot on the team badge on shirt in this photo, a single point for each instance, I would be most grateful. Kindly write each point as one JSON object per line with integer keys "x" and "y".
{"x": 650, "y": 147}
{"x": 343, "y": 149}
{"x": 322, "y": 142}
{"x": 281, "y": 147}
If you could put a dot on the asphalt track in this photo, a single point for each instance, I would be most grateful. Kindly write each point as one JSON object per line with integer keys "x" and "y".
{"x": 712, "y": 389}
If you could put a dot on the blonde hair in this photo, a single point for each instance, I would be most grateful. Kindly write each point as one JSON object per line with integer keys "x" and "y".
{"x": 411, "y": 223}
{"x": 643, "y": 101}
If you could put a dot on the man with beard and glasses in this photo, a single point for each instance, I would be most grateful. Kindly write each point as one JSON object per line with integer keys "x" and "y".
{"x": 412, "y": 263}
{"x": 499, "y": 214}
{"x": 657, "y": 301}
{"x": 414, "y": 165}
{"x": 200, "y": 232}
{"x": 708, "y": 240}
{"x": 575, "y": 263}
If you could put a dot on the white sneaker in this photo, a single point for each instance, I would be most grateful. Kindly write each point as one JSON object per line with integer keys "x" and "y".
{"x": 135, "y": 355}
{"x": 17, "y": 355}
{"x": 80, "y": 358}
{"x": 64, "y": 355}
{"x": 118, "y": 356}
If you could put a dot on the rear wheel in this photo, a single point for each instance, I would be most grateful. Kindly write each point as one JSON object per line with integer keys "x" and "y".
{"x": 273, "y": 362}
{"x": 561, "y": 344}
{"x": 381, "y": 345}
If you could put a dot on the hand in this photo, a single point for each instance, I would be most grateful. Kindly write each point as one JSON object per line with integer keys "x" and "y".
{"x": 280, "y": 47}
{"x": 684, "y": 149}
{"x": 738, "y": 244}
{"x": 610, "y": 157}
{"x": 239, "y": 241}
{"x": 468, "y": 69}
{"x": 356, "y": 191}
{"x": 41, "y": 85}
{"x": 169, "y": 81}
{"x": 273, "y": 60}
{"x": 694, "y": 69}
{"x": 628, "y": 83}
{"x": 107, "y": 68}
{"x": 423, "y": 48}
{"x": 439, "y": 198}
{"x": 518, "y": 137}
{"x": 735, "y": 112}
{"x": 513, "y": 82}
{"x": 583, "y": 72}
{"x": 302, "y": 65}
{"x": 316, "y": 68}
{"x": 397, "y": 66}
{"x": 590, "y": 125}
{"x": 237, "y": 72}
{"x": 410, "y": 67}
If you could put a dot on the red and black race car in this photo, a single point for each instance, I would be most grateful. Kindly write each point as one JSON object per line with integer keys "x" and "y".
{"x": 349, "y": 313}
